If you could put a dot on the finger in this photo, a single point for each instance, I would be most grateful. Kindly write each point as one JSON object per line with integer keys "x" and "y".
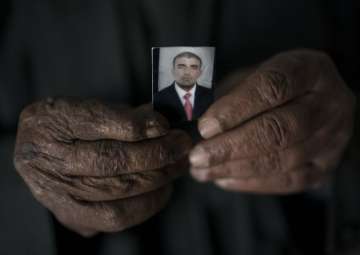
{"x": 281, "y": 79}
{"x": 104, "y": 158}
{"x": 113, "y": 158}
{"x": 113, "y": 216}
{"x": 90, "y": 217}
{"x": 243, "y": 169}
{"x": 107, "y": 216}
{"x": 86, "y": 188}
{"x": 332, "y": 138}
{"x": 271, "y": 131}
{"x": 125, "y": 186}
{"x": 298, "y": 180}
{"x": 68, "y": 119}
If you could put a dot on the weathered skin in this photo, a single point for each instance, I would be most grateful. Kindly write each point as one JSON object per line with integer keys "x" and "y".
{"x": 283, "y": 128}
{"x": 96, "y": 167}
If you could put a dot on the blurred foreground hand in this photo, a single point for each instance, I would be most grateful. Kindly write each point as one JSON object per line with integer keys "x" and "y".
{"x": 281, "y": 129}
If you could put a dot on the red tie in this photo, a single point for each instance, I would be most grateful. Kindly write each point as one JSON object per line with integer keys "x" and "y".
{"x": 188, "y": 106}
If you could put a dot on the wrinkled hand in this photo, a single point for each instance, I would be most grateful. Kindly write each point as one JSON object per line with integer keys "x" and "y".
{"x": 281, "y": 129}
{"x": 95, "y": 167}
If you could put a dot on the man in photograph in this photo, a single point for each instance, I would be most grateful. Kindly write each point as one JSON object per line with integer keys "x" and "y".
{"x": 185, "y": 99}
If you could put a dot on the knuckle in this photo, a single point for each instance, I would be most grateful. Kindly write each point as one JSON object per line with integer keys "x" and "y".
{"x": 139, "y": 120}
{"x": 29, "y": 112}
{"x": 110, "y": 157}
{"x": 274, "y": 87}
{"x": 156, "y": 121}
{"x": 226, "y": 170}
{"x": 133, "y": 182}
{"x": 40, "y": 120}
{"x": 131, "y": 127}
{"x": 33, "y": 110}
{"x": 25, "y": 153}
{"x": 224, "y": 151}
{"x": 271, "y": 132}
{"x": 164, "y": 152}
{"x": 270, "y": 164}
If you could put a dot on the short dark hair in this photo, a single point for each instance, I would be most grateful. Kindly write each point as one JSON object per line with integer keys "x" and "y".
{"x": 187, "y": 54}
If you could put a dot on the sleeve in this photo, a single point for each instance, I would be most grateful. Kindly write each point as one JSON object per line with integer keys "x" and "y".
{"x": 346, "y": 207}
{"x": 15, "y": 63}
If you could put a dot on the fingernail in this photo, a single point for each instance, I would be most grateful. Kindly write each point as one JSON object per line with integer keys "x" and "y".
{"x": 199, "y": 157}
{"x": 209, "y": 127}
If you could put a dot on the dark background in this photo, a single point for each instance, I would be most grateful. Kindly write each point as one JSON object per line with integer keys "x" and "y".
{"x": 102, "y": 49}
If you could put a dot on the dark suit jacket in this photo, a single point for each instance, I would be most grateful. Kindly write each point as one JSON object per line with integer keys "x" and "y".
{"x": 168, "y": 103}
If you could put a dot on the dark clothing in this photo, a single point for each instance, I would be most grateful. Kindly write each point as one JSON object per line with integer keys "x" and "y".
{"x": 102, "y": 49}
{"x": 168, "y": 103}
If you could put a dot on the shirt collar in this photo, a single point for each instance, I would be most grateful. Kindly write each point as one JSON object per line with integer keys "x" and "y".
{"x": 181, "y": 92}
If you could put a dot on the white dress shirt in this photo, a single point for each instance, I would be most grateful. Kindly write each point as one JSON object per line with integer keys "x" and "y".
{"x": 181, "y": 93}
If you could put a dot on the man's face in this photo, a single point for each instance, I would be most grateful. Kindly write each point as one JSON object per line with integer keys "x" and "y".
{"x": 186, "y": 71}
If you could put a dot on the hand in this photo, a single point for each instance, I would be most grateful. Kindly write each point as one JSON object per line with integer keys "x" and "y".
{"x": 95, "y": 167}
{"x": 281, "y": 129}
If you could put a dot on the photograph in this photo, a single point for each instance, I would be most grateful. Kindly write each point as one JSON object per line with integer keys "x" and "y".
{"x": 182, "y": 82}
